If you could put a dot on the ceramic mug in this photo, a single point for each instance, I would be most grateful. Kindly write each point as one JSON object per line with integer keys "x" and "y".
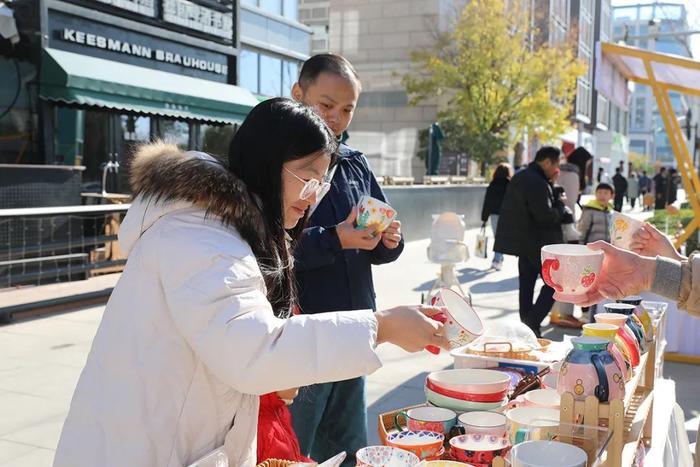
{"x": 641, "y": 312}
{"x": 633, "y": 323}
{"x": 374, "y": 215}
{"x": 545, "y": 398}
{"x": 423, "y": 444}
{"x": 427, "y": 419}
{"x": 483, "y": 423}
{"x": 478, "y": 449}
{"x": 571, "y": 270}
{"x": 533, "y": 422}
{"x": 547, "y": 454}
{"x": 461, "y": 323}
{"x": 625, "y": 336}
{"x": 589, "y": 369}
{"x": 622, "y": 229}
{"x": 618, "y": 349}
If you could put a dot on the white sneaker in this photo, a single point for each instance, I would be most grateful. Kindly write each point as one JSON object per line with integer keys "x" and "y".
{"x": 497, "y": 266}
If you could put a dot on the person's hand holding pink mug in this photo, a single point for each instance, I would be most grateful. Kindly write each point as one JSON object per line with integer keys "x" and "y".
{"x": 623, "y": 273}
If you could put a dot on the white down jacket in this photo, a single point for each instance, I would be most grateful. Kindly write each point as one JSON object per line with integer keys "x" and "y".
{"x": 188, "y": 339}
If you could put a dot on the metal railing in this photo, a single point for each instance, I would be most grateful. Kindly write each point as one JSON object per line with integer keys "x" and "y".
{"x": 58, "y": 244}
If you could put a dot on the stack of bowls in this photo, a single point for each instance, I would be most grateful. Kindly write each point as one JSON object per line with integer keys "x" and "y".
{"x": 468, "y": 389}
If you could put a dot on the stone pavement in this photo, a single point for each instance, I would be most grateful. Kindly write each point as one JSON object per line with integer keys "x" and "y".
{"x": 41, "y": 359}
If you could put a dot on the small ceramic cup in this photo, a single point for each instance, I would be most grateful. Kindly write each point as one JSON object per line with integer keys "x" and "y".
{"x": 547, "y": 454}
{"x": 544, "y": 398}
{"x": 434, "y": 419}
{"x": 532, "y": 423}
{"x": 374, "y": 215}
{"x": 478, "y": 449}
{"x": 462, "y": 324}
{"x": 571, "y": 270}
{"x": 625, "y": 336}
{"x": 484, "y": 423}
{"x": 622, "y": 229}
{"x": 423, "y": 444}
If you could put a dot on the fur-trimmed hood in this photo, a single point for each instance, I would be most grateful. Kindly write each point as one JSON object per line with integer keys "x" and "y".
{"x": 165, "y": 179}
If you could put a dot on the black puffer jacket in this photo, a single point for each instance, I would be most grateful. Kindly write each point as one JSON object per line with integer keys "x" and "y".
{"x": 493, "y": 200}
{"x": 530, "y": 216}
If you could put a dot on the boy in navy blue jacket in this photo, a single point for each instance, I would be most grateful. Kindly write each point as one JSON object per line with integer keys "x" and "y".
{"x": 333, "y": 261}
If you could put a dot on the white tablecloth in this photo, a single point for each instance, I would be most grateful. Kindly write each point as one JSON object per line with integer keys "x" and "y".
{"x": 682, "y": 329}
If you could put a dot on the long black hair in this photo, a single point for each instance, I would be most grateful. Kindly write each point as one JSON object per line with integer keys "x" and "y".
{"x": 276, "y": 131}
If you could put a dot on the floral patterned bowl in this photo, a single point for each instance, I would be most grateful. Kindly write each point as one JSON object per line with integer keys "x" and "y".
{"x": 423, "y": 444}
{"x": 385, "y": 456}
{"x": 478, "y": 448}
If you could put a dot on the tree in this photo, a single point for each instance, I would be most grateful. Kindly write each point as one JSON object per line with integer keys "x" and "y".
{"x": 496, "y": 83}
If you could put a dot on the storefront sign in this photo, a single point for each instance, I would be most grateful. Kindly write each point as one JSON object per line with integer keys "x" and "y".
{"x": 80, "y": 36}
{"x": 142, "y": 7}
{"x": 190, "y": 15}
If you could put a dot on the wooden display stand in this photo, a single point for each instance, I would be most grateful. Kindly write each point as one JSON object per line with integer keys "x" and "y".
{"x": 629, "y": 420}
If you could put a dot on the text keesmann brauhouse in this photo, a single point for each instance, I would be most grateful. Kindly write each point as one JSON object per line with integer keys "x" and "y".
{"x": 137, "y": 50}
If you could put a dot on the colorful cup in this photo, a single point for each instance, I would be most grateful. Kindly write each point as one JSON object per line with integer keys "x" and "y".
{"x": 461, "y": 323}
{"x": 478, "y": 449}
{"x": 622, "y": 229}
{"x": 571, "y": 270}
{"x": 624, "y": 335}
{"x": 483, "y": 423}
{"x": 423, "y": 444}
{"x": 618, "y": 348}
{"x": 633, "y": 323}
{"x": 374, "y": 215}
{"x": 641, "y": 312}
{"x": 547, "y": 454}
{"x": 435, "y": 419}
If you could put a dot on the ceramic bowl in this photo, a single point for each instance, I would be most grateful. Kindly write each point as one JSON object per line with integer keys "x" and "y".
{"x": 374, "y": 215}
{"x": 460, "y": 405}
{"x": 484, "y": 423}
{"x": 471, "y": 380}
{"x": 385, "y": 456}
{"x": 571, "y": 270}
{"x": 462, "y": 324}
{"x": 446, "y": 464}
{"x": 478, "y": 449}
{"x": 423, "y": 444}
{"x": 531, "y": 423}
{"x": 547, "y": 454}
{"x": 548, "y": 398}
{"x": 493, "y": 397}
{"x": 622, "y": 229}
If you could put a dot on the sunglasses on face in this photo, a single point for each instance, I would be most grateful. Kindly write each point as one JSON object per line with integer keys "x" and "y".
{"x": 312, "y": 186}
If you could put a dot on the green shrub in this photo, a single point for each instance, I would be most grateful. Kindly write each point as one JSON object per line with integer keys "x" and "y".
{"x": 685, "y": 216}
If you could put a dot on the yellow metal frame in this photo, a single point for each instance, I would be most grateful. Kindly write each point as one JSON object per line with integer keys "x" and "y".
{"x": 661, "y": 90}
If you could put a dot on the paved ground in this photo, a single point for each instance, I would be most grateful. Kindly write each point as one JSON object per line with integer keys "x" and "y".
{"x": 41, "y": 359}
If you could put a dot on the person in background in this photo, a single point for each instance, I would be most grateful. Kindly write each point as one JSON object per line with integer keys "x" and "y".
{"x": 333, "y": 261}
{"x": 632, "y": 189}
{"x": 595, "y": 222}
{"x": 644, "y": 187}
{"x": 620, "y": 184}
{"x": 673, "y": 181}
{"x": 531, "y": 217}
{"x": 493, "y": 200}
{"x": 599, "y": 177}
{"x": 660, "y": 187}
{"x": 570, "y": 180}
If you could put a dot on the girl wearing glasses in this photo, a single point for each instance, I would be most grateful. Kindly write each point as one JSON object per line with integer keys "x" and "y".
{"x": 199, "y": 324}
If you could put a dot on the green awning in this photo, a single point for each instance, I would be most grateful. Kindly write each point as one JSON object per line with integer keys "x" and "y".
{"x": 94, "y": 82}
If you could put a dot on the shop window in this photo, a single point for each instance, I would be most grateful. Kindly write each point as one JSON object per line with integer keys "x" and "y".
{"x": 215, "y": 139}
{"x": 290, "y": 73}
{"x": 270, "y": 75}
{"x": 16, "y": 127}
{"x": 175, "y": 132}
{"x": 136, "y": 128}
{"x": 248, "y": 73}
{"x": 271, "y": 6}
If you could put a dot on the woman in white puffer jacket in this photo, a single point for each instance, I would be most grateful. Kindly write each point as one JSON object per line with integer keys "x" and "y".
{"x": 198, "y": 325}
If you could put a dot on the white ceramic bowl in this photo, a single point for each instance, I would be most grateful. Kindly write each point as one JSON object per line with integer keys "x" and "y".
{"x": 486, "y": 423}
{"x": 462, "y": 324}
{"x": 385, "y": 456}
{"x": 471, "y": 380}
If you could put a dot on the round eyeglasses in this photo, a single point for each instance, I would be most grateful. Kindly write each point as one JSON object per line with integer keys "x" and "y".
{"x": 312, "y": 186}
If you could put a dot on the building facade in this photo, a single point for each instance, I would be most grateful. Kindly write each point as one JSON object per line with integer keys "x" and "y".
{"x": 316, "y": 15}
{"x": 273, "y": 44}
{"x": 646, "y": 26}
{"x": 94, "y": 78}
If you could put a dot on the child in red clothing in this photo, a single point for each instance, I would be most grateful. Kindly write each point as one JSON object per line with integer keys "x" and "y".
{"x": 276, "y": 438}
